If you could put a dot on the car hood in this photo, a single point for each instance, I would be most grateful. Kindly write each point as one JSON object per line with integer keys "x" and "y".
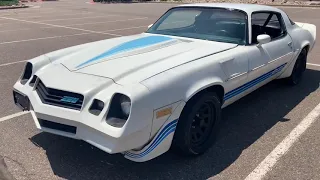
{"x": 132, "y": 59}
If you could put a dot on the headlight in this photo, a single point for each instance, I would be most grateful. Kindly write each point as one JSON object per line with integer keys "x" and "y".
{"x": 119, "y": 110}
{"x": 27, "y": 73}
{"x": 125, "y": 104}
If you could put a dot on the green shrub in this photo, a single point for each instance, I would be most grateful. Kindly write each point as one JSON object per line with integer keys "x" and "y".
{"x": 8, "y": 2}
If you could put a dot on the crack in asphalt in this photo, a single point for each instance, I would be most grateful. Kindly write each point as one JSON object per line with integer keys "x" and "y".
{"x": 4, "y": 173}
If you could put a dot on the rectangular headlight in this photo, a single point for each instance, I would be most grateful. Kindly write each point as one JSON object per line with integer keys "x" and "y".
{"x": 119, "y": 110}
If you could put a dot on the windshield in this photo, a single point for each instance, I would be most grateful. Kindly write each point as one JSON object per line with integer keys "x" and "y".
{"x": 213, "y": 24}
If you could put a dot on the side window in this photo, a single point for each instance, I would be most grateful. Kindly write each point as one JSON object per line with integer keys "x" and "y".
{"x": 274, "y": 22}
{"x": 258, "y": 19}
{"x": 267, "y": 23}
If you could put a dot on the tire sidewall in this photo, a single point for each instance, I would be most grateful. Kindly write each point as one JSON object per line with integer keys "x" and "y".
{"x": 185, "y": 123}
{"x": 302, "y": 58}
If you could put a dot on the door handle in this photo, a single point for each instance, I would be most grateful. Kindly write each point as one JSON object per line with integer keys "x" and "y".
{"x": 291, "y": 46}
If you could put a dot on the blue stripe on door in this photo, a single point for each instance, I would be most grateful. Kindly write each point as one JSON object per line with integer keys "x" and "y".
{"x": 252, "y": 83}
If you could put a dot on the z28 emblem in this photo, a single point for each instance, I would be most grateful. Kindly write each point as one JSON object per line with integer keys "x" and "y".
{"x": 69, "y": 99}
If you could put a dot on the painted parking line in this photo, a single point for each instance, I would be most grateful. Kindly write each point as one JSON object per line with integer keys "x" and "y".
{"x": 53, "y": 25}
{"x": 13, "y": 116}
{"x": 136, "y": 27}
{"x": 51, "y": 37}
{"x": 66, "y": 19}
{"x": 267, "y": 164}
{"x": 22, "y": 29}
{"x": 311, "y": 64}
{"x": 102, "y": 22}
{"x": 50, "y": 19}
{"x": 8, "y": 64}
{"x": 31, "y": 12}
{"x": 70, "y": 35}
{"x": 293, "y": 7}
{"x": 59, "y": 15}
{"x": 112, "y": 21}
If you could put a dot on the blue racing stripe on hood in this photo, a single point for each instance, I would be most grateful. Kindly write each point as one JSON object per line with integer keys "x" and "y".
{"x": 130, "y": 45}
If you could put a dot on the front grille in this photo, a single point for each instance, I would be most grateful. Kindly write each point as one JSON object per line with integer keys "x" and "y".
{"x": 59, "y": 98}
{"x": 57, "y": 126}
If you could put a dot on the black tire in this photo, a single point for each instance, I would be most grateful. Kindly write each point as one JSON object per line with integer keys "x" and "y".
{"x": 298, "y": 69}
{"x": 201, "y": 113}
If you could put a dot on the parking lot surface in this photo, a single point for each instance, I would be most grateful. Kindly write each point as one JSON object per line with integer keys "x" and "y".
{"x": 252, "y": 129}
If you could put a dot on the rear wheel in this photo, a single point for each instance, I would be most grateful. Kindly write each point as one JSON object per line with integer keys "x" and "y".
{"x": 198, "y": 125}
{"x": 299, "y": 68}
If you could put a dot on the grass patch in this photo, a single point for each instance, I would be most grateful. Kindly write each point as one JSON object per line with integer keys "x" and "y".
{"x": 8, "y": 2}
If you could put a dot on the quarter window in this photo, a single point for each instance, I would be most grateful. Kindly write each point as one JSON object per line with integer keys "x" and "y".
{"x": 269, "y": 23}
{"x": 292, "y": 23}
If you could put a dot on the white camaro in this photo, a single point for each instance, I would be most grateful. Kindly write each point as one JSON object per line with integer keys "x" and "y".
{"x": 143, "y": 94}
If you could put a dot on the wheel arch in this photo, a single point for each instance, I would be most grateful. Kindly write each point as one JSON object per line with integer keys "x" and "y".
{"x": 288, "y": 71}
{"x": 211, "y": 87}
{"x": 306, "y": 46}
{"x": 178, "y": 144}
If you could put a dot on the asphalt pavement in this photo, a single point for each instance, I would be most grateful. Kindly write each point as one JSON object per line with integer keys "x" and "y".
{"x": 252, "y": 128}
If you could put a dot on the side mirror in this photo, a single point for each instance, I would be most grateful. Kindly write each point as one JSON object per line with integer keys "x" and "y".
{"x": 150, "y": 26}
{"x": 263, "y": 38}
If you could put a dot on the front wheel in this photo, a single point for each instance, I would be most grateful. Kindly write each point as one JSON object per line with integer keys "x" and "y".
{"x": 298, "y": 69}
{"x": 198, "y": 125}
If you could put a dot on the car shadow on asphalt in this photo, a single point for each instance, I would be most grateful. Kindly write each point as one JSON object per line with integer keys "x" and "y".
{"x": 244, "y": 123}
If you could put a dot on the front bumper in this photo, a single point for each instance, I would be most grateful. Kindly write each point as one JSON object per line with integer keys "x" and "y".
{"x": 80, "y": 124}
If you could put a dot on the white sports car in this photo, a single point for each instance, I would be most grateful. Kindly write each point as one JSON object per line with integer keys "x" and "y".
{"x": 143, "y": 94}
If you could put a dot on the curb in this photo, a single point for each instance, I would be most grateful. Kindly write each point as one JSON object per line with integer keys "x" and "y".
{"x": 4, "y": 173}
{"x": 12, "y": 7}
{"x": 277, "y": 5}
{"x": 292, "y": 5}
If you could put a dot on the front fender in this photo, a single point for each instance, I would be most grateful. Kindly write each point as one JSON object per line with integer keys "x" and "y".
{"x": 37, "y": 63}
{"x": 201, "y": 85}
{"x": 180, "y": 84}
{"x": 54, "y": 55}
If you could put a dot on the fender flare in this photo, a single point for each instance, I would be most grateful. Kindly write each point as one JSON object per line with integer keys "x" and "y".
{"x": 204, "y": 85}
{"x": 288, "y": 71}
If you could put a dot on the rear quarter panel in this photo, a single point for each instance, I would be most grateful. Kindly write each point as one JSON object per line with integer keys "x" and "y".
{"x": 302, "y": 34}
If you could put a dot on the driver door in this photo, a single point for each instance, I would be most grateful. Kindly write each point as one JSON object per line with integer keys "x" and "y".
{"x": 268, "y": 59}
